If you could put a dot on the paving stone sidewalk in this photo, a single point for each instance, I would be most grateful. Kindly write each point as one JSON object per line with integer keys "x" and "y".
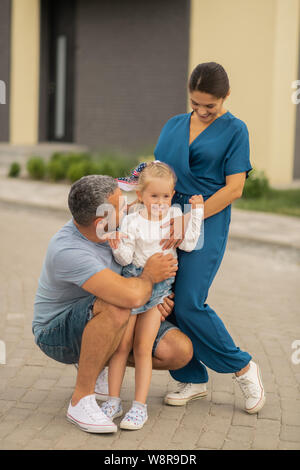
{"x": 256, "y": 293}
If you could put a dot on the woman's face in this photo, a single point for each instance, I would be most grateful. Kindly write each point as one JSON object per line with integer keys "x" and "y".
{"x": 205, "y": 106}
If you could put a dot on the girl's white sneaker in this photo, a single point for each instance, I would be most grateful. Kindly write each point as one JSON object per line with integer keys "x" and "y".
{"x": 87, "y": 415}
{"x": 101, "y": 387}
{"x": 112, "y": 408}
{"x": 252, "y": 388}
{"x": 135, "y": 418}
{"x": 185, "y": 392}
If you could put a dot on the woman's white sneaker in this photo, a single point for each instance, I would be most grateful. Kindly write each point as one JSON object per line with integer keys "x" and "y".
{"x": 252, "y": 388}
{"x": 88, "y": 416}
{"x": 185, "y": 393}
{"x": 135, "y": 418}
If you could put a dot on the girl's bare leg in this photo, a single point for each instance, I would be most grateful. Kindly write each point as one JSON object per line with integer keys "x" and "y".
{"x": 146, "y": 329}
{"x": 117, "y": 363}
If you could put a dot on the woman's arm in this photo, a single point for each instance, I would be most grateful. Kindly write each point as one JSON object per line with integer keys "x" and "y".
{"x": 222, "y": 198}
{"x": 226, "y": 195}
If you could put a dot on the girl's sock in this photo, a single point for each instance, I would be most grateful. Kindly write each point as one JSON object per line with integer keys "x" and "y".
{"x": 138, "y": 404}
{"x": 114, "y": 400}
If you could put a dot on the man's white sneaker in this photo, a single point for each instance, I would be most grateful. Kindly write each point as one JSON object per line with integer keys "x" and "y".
{"x": 185, "y": 393}
{"x": 252, "y": 388}
{"x": 87, "y": 415}
{"x": 112, "y": 408}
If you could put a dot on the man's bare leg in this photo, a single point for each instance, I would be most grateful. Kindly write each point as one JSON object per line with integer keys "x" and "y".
{"x": 174, "y": 351}
{"x": 100, "y": 339}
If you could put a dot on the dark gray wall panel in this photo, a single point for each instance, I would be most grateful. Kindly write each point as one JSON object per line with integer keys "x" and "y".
{"x": 4, "y": 66}
{"x": 131, "y": 70}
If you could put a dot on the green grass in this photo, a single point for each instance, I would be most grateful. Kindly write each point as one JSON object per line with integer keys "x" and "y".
{"x": 278, "y": 201}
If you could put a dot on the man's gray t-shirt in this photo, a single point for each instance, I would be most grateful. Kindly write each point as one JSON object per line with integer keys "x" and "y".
{"x": 71, "y": 259}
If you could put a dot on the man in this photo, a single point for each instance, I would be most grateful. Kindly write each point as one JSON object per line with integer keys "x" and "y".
{"x": 83, "y": 304}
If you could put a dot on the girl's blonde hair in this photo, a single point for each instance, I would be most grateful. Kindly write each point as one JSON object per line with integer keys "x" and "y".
{"x": 155, "y": 169}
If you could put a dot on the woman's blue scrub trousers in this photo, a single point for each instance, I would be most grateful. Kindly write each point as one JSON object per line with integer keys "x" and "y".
{"x": 213, "y": 345}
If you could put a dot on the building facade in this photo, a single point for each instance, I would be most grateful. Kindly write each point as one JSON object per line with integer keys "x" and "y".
{"x": 109, "y": 73}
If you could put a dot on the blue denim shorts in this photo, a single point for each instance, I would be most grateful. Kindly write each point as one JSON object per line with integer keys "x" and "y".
{"x": 60, "y": 339}
{"x": 159, "y": 292}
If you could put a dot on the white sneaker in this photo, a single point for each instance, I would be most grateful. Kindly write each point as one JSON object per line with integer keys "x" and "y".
{"x": 135, "y": 418}
{"x": 185, "y": 393}
{"x": 101, "y": 387}
{"x": 112, "y": 408}
{"x": 252, "y": 388}
{"x": 87, "y": 415}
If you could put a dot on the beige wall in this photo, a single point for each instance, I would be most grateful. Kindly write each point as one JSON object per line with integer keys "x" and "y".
{"x": 257, "y": 43}
{"x": 24, "y": 92}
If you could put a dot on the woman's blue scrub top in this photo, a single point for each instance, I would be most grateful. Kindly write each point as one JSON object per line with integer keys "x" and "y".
{"x": 201, "y": 168}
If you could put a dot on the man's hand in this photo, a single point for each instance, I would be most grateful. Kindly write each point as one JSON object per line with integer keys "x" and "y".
{"x": 166, "y": 307}
{"x": 160, "y": 267}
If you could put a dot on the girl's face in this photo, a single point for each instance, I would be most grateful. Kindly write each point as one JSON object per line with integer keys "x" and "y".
{"x": 157, "y": 197}
{"x": 205, "y": 106}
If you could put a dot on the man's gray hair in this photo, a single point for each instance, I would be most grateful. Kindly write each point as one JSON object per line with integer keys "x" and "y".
{"x": 87, "y": 194}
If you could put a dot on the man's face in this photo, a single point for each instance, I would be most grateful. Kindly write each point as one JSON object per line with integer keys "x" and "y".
{"x": 117, "y": 200}
{"x": 110, "y": 214}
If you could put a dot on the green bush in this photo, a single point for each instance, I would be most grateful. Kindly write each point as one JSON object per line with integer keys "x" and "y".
{"x": 256, "y": 185}
{"x": 75, "y": 165}
{"x": 36, "y": 168}
{"x": 67, "y": 159}
{"x": 56, "y": 170}
{"x": 79, "y": 169}
{"x": 14, "y": 170}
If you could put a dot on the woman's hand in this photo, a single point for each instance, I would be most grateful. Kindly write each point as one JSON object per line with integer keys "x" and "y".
{"x": 176, "y": 235}
{"x": 178, "y": 225}
{"x": 166, "y": 307}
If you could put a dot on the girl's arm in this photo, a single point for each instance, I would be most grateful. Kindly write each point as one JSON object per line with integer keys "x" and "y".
{"x": 123, "y": 253}
{"x": 193, "y": 230}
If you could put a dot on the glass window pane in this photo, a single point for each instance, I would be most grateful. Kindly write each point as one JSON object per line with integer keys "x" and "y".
{"x": 60, "y": 98}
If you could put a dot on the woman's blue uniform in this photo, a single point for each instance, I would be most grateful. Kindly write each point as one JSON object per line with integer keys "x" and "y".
{"x": 221, "y": 149}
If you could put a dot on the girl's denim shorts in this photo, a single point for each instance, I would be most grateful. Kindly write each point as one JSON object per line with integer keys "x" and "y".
{"x": 159, "y": 292}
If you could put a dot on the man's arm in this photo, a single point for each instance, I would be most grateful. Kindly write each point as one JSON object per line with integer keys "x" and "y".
{"x": 135, "y": 291}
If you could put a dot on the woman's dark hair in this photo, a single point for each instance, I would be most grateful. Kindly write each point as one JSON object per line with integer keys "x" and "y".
{"x": 210, "y": 78}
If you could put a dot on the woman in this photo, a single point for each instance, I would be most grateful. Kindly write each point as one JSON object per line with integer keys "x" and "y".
{"x": 209, "y": 152}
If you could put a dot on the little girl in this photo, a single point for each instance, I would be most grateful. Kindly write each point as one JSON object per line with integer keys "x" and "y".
{"x": 144, "y": 233}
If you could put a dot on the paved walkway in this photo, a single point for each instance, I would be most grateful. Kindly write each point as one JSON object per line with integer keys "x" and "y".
{"x": 256, "y": 293}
